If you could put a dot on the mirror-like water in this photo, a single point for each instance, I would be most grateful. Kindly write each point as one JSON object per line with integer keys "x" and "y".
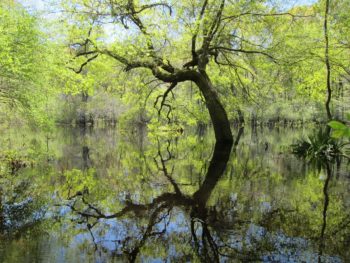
{"x": 105, "y": 195}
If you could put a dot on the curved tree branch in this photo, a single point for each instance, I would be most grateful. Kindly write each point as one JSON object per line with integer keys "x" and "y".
{"x": 239, "y": 50}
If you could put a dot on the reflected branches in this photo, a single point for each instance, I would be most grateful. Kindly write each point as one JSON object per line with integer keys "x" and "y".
{"x": 251, "y": 221}
{"x": 159, "y": 210}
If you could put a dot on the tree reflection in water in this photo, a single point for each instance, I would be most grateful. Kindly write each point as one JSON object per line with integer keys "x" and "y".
{"x": 159, "y": 210}
{"x": 178, "y": 200}
{"x": 190, "y": 228}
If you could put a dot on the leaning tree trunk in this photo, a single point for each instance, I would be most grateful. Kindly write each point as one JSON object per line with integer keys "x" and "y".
{"x": 217, "y": 112}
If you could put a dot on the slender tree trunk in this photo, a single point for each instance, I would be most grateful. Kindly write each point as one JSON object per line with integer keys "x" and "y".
{"x": 217, "y": 112}
{"x": 240, "y": 117}
{"x": 328, "y": 67}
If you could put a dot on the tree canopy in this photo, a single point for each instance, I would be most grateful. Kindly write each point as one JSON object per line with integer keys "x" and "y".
{"x": 249, "y": 60}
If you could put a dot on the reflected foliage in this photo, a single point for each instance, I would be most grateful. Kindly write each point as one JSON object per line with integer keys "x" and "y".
{"x": 111, "y": 196}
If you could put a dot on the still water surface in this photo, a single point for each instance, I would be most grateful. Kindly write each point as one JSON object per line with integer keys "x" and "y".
{"x": 110, "y": 195}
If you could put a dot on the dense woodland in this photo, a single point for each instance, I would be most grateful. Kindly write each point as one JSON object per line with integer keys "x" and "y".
{"x": 84, "y": 62}
{"x": 174, "y": 131}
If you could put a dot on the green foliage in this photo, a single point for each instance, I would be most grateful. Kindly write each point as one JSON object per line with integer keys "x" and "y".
{"x": 261, "y": 187}
{"x": 37, "y": 66}
{"x": 26, "y": 66}
{"x": 340, "y": 130}
{"x": 261, "y": 64}
{"x": 19, "y": 37}
{"x": 318, "y": 148}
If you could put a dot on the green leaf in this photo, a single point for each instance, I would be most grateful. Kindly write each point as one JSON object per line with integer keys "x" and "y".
{"x": 336, "y": 125}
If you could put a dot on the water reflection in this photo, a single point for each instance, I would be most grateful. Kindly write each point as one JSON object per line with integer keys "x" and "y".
{"x": 324, "y": 212}
{"x": 110, "y": 196}
{"x": 160, "y": 209}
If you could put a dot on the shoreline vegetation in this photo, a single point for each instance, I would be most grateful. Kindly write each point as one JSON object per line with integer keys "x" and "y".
{"x": 174, "y": 131}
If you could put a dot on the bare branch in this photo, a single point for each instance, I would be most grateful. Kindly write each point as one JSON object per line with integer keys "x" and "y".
{"x": 262, "y": 14}
{"x": 84, "y": 64}
{"x": 145, "y": 7}
{"x": 164, "y": 96}
{"x": 194, "y": 37}
{"x": 213, "y": 28}
{"x": 243, "y": 51}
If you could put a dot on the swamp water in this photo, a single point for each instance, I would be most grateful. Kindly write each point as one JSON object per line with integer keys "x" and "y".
{"x": 104, "y": 195}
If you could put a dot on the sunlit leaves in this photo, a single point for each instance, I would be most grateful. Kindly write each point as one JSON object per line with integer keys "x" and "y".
{"x": 340, "y": 129}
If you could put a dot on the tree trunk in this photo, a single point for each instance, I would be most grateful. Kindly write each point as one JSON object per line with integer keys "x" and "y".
{"x": 216, "y": 170}
{"x": 217, "y": 112}
{"x": 328, "y": 66}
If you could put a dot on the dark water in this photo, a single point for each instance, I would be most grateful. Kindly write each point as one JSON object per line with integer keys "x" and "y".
{"x": 109, "y": 195}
